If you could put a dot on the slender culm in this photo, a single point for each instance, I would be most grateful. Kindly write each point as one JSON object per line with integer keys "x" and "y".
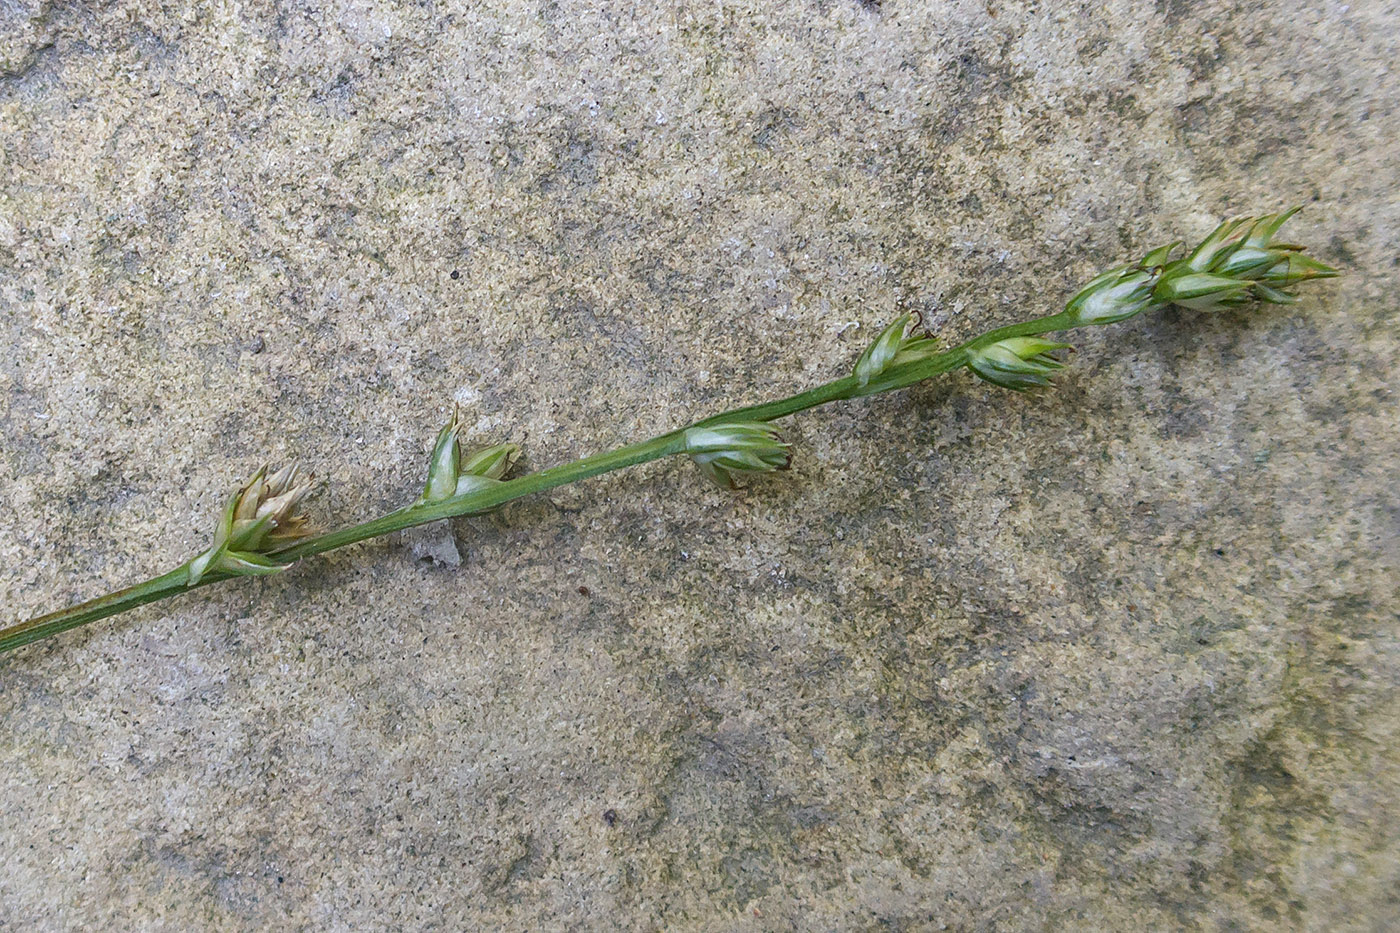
{"x": 261, "y": 530}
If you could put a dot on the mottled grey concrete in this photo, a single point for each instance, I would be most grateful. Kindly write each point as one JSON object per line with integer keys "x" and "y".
{"x": 1119, "y": 656}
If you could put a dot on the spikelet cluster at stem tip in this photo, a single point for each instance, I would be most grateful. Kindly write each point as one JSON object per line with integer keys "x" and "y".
{"x": 1239, "y": 262}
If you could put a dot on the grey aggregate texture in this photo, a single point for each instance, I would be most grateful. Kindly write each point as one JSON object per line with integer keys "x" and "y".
{"x": 1121, "y": 655}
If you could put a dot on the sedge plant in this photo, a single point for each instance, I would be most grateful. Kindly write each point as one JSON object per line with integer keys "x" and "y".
{"x": 263, "y": 531}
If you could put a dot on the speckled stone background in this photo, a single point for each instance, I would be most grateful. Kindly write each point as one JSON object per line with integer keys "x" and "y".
{"x": 1119, "y": 656}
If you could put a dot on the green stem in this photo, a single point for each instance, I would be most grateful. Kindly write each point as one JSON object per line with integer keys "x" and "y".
{"x": 22, "y": 633}
{"x": 176, "y": 581}
{"x": 483, "y": 500}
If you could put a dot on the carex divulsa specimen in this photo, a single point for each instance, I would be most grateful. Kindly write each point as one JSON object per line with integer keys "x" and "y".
{"x": 262, "y": 531}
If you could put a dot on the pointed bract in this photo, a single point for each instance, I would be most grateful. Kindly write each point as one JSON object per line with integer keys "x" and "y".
{"x": 452, "y": 473}
{"x": 1266, "y": 227}
{"x": 881, "y": 352}
{"x": 1216, "y": 249}
{"x": 444, "y": 462}
{"x": 1294, "y": 268}
{"x": 1159, "y": 256}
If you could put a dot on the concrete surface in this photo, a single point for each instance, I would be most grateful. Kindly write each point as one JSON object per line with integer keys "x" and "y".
{"x": 1119, "y": 656}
